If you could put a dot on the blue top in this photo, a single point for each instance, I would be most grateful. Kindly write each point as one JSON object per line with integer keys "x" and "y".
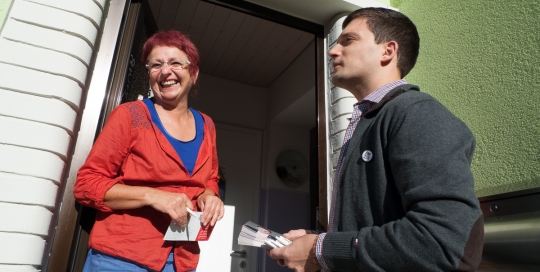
{"x": 187, "y": 151}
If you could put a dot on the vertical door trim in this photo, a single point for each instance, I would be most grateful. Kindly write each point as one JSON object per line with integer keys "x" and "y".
{"x": 322, "y": 131}
{"x": 113, "y": 96}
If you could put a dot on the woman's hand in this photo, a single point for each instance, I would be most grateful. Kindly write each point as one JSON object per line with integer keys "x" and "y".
{"x": 211, "y": 207}
{"x": 173, "y": 204}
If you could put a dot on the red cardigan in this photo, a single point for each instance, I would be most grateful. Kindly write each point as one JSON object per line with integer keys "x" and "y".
{"x": 131, "y": 150}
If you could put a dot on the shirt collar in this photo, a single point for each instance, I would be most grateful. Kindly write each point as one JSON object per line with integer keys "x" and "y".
{"x": 377, "y": 95}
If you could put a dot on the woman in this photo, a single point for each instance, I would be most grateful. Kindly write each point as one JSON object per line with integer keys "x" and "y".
{"x": 153, "y": 159}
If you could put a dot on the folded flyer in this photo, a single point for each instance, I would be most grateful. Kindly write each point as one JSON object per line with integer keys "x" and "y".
{"x": 193, "y": 231}
{"x": 258, "y": 236}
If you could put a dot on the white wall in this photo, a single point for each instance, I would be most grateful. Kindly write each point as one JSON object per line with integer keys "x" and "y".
{"x": 293, "y": 83}
{"x": 230, "y": 102}
{"x": 294, "y": 88}
{"x": 281, "y": 138}
{"x": 46, "y": 47}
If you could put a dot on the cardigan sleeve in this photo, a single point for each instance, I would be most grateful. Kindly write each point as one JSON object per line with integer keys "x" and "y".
{"x": 99, "y": 173}
{"x": 429, "y": 153}
{"x": 212, "y": 182}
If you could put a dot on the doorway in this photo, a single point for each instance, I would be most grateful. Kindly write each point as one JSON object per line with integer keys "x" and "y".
{"x": 257, "y": 77}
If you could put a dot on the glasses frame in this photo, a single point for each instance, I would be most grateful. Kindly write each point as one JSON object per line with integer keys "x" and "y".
{"x": 184, "y": 64}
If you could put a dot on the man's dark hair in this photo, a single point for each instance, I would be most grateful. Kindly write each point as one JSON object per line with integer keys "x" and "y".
{"x": 389, "y": 25}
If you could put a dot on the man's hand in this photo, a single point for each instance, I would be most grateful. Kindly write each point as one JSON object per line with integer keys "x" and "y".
{"x": 299, "y": 256}
{"x": 211, "y": 207}
{"x": 293, "y": 234}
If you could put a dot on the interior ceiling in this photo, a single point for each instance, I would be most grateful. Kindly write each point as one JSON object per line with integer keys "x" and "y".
{"x": 316, "y": 11}
{"x": 233, "y": 45}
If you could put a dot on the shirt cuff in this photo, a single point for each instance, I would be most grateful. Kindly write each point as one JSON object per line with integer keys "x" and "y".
{"x": 318, "y": 253}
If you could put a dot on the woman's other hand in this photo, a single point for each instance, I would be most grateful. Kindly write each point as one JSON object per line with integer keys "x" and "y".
{"x": 173, "y": 204}
{"x": 211, "y": 207}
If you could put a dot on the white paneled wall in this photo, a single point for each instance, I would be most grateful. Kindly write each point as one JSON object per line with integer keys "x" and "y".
{"x": 46, "y": 47}
{"x": 339, "y": 107}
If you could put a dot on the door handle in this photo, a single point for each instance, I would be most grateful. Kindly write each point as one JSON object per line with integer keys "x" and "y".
{"x": 238, "y": 253}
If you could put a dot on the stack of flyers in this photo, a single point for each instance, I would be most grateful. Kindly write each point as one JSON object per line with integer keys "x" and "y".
{"x": 257, "y": 236}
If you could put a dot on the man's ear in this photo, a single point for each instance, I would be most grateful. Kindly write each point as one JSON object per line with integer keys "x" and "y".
{"x": 390, "y": 51}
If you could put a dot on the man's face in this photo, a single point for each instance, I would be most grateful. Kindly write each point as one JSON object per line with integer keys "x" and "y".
{"x": 356, "y": 55}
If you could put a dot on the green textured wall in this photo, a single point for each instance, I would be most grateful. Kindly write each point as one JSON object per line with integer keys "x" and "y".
{"x": 4, "y": 7}
{"x": 482, "y": 60}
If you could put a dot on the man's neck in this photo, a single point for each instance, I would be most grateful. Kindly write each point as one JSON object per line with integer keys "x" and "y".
{"x": 360, "y": 91}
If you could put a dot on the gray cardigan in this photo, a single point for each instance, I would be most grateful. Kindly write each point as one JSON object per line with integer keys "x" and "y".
{"x": 412, "y": 206}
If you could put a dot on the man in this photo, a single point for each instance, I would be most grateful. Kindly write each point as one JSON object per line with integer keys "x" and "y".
{"x": 403, "y": 197}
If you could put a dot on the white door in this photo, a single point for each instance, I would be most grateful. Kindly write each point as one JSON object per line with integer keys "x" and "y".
{"x": 239, "y": 153}
{"x": 215, "y": 253}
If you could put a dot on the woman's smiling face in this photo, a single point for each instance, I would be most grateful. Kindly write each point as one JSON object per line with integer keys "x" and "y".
{"x": 171, "y": 83}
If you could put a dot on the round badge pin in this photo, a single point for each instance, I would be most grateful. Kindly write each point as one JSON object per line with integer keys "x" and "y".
{"x": 367, "y": 155}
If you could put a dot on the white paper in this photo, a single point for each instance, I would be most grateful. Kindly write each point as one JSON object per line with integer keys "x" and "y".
{"x": 187, "y": 233}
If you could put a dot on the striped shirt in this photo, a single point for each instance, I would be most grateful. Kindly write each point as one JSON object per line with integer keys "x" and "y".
{"x": 359, "y": 108}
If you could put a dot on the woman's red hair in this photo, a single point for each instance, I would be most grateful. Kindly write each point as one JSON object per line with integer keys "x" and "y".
{"x": 173, "y": 38}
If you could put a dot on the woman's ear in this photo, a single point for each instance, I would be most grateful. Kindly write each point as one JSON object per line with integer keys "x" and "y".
{"x": 195, "y": 77}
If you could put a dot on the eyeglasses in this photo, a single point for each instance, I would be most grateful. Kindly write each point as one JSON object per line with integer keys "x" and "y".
{"x": 173, "y": 65}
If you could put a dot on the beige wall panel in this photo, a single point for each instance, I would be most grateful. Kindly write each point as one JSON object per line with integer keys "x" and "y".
{"x": 54, "y": 18}
{"x": 18, "y": 268}
{"x": 85, "y": 8}
{"x": 27, "y": 190}
{"x": 338, "y": 125}
{"x": 342, "y": 107}
{"x": 42, "y": 59}
{"x": 103, "y": 2}
{"x": 31, "y": 162}
{"x": 56, "y": 87}
{"x": 24, "y": 219}
{"x": 18, "y": 248}
{"x": 337, "y": 142}
{"x": 23, "y": 133}
{"x": 39, "y": 109}
{"x": 48, "y": 39}
{"x": 338, "y": 93}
